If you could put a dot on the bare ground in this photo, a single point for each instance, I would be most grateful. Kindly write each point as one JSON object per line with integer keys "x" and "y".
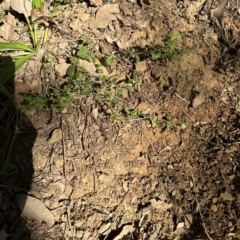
{"x": 103, "y": 179}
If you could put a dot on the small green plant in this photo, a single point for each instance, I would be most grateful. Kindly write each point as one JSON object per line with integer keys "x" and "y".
{"x": 168, "y": 51}
{"x": 106, "y": 91}
{"x": 161, "y": 123}
{"x": 34, "y": 101}
{"x": 167, "y": 122}
{"x": 20, "y": 53}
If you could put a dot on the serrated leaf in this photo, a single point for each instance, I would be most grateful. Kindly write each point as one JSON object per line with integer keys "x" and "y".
{"x": 107, "y": 61}
{"x": 34, "y": 208}
{"x": 87, "y": 88}
{"x": 87, "y": 41}
{"x": 71, "y": 71}
{"x": 84, "y": 54}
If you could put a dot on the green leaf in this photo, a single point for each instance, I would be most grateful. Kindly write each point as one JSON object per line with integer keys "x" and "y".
{"x": 19, "y": 62}
{"x": 14, "y": 46}
{"x": 184, "y": 126}
{"x": 137, "y": 80}
{"x": 159, "y": 123}
{"x": 87, "y": 41}
{"x": 155, "y": 55}
{"x": 127, "y": 111}
{"x": 86, "y": 91}
{"x": 73, "y": 60}
{"x": 116, "y": 117}
{"x": 71, "y": 71}
{"x": 107, "y": 61}
{"x": 33, "y": 101}
{"x": 100, "y": 71}
{"x": 169, "y": 118}
{"x": 84, "y": 54}
{"x": 48, "y": 58}
{"x": 38, "y": 4}
{"x": 87, "y": 88}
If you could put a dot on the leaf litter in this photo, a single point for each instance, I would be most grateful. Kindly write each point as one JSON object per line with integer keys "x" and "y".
{"x": 7, "y": 30}
{"x": 119, "y": 174}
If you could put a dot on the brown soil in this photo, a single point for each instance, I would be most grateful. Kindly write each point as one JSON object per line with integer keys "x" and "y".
{"x": 131, "y": 179}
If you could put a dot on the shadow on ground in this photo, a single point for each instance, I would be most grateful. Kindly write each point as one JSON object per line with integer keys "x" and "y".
{"x": 17, "y": 136}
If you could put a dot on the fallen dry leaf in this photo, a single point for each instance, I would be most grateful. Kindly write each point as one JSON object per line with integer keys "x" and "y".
{"x": 141, "y": 66}
{"x": 161, "y": 205}
{"x": 96, "y": 2}
{"x": 5, "y": 5}
{"x": 90, "y": 67}
{"x": 8, "y": 28}
{"x": 105, "y": 15}
{"x": 22, "y": 6}
{"x": 179, "y": 231}
{"x": 219, "y": 11}
{"x": 75, "y": 24}
{"x": 36, "y": 14}
{"x": 34, "y": 208}
{"x": 62, "y": 68}
{"x": 104, "y": 229}
{"x": 227, "y": 196}
{"x": 83, "y": 16}
{"x": 126, "y": 229}
{"x": 86, "y": 235}
{"x": 123, "y": 43}
{"x": 56, "y": 136}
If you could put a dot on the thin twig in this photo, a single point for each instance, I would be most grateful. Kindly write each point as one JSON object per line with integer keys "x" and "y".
{"x": 199, "y": 207}
{"x": 63, "y": 148}
{"x": 177, "y": 95}
{"x": 190, "y": 118}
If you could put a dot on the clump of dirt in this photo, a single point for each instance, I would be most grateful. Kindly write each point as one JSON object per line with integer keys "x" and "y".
{"x": 103, "y": 179}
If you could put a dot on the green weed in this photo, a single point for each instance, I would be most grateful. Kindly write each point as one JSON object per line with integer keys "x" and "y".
{"x": 166, "y": 122}
{"x": 168, "y": 51}
{"x": 19, "y": 53}
{"x": 106, "y": 91}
